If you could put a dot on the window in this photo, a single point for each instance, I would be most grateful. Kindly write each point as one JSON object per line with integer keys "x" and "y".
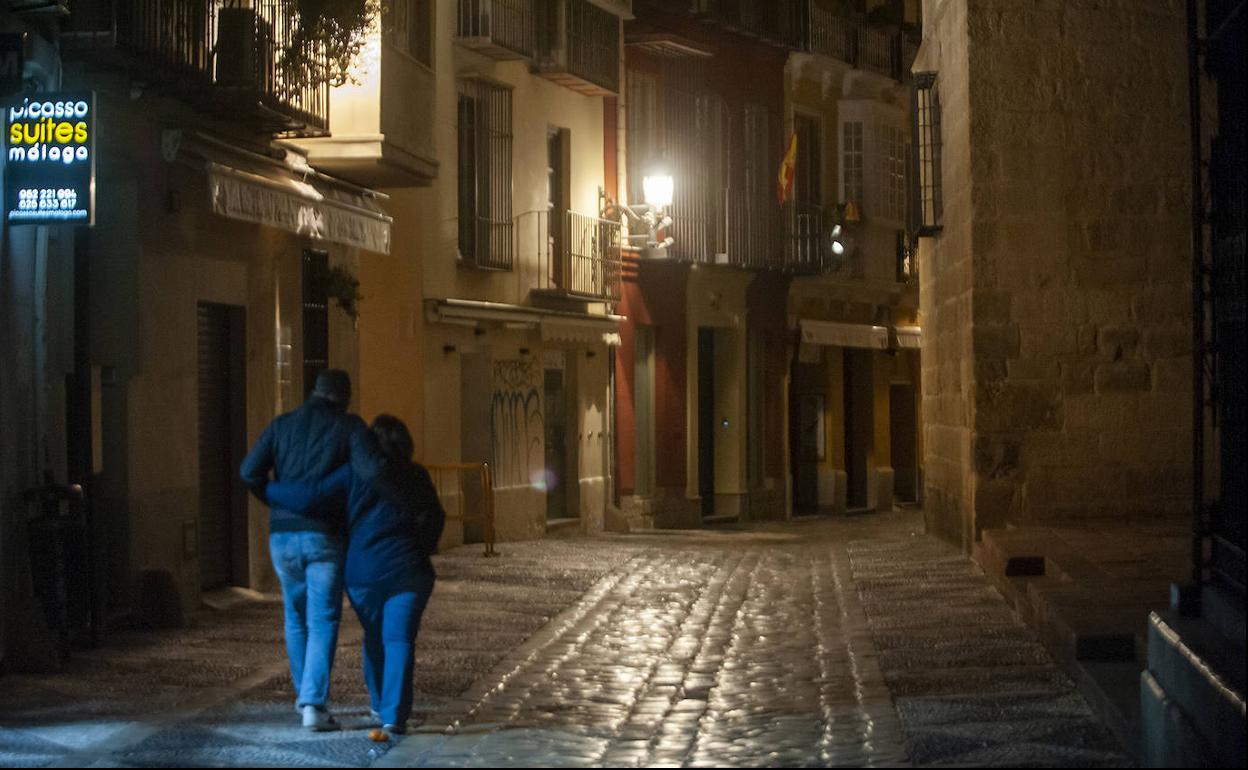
{"x": 643, "y": 128}
{"x": 411, "y": 27}
{"x": 484, "y": 200}
{"x": 808, "y": 179}
{"x": 925, "y": 191}
{"x": 315, "y": 317}
{"x": 886, "y": 197}
{"x": 852, "y": 165}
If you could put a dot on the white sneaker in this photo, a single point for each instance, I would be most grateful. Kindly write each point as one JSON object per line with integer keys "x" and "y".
{"x": 374, "y": 717}
{"x": 395, "y": 729}
{"x": 318, "y": 719}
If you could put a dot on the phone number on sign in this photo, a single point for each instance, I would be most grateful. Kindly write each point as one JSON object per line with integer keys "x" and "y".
{"x": 47, "y": 199}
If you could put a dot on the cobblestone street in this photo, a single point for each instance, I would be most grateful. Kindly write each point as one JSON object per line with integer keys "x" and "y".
{"x": 849, "y": 642}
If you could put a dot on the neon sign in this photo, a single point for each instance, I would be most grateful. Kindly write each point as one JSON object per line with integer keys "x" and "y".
{"x": 49, "y": 160}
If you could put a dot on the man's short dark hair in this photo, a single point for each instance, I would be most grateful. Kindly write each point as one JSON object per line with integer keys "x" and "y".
{"x": 334, "y": 386}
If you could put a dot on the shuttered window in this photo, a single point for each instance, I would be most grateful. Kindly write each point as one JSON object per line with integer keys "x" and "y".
{"x": 485, "y": 148}
{"x": 926, "y": 200}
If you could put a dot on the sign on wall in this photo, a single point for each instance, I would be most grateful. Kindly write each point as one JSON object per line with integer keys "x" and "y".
{"x": 49, "y": 150}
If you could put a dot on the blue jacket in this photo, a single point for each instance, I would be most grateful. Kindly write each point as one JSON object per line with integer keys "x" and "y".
{"x": 395, "y": 519}
{"x": 307, "y": 445}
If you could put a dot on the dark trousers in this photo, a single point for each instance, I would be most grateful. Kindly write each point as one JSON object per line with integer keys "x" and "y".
{"x": 390, "y": 614}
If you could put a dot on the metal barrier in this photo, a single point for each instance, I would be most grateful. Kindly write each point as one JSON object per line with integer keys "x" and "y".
{"x": 439, "y": 471}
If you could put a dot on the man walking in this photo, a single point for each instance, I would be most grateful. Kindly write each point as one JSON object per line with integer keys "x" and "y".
{"x": 308, "y": 548}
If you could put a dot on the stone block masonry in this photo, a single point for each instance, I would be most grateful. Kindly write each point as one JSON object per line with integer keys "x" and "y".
{"x": 1061, "y": 278}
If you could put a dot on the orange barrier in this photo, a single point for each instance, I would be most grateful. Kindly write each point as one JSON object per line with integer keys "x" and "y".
{"x": 485, "y": 514}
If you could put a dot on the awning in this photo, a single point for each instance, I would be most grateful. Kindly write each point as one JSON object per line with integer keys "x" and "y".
{"x": 555, "y": 325}
{"x": 909, "y": 337}
{"x": 288, "y": 195}
{"x": 310, "y": 207}
{"x": 845, "y": 335}
{"x": 588, "y": 331}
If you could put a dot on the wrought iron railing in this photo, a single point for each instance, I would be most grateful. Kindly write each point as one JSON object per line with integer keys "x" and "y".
{"x": 243, "y": 48}
{"x": 577, "y": 254}
{"x": 850, "y": 39}
{"x": 752, "y": 229}
{"x": 805, "y": 247}
{"x": 508, "y": 24}
{"x": 593, "y": 45}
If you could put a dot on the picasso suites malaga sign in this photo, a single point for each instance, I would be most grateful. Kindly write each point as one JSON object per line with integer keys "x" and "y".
{"x": 49, "y": 159}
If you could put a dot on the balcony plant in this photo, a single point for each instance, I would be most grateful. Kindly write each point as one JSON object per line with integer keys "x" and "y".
{"x": 327, "y": 39}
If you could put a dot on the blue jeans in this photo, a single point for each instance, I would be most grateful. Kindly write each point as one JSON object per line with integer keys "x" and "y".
{"x": 309, "y": 564}
{"x": 390, "y": 615}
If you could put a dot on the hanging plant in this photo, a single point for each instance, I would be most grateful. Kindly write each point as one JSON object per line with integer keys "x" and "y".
{"x": 327, "y": 40}
{"x": 344, "y": 288}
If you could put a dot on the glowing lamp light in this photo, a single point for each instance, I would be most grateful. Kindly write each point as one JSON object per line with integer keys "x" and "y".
{"x": 838, "y": 248}
{"x": 658, "y": 188}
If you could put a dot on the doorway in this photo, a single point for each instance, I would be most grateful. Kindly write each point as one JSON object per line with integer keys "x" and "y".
{"x": 903, "y": 438}
{"x": 222, "y": 382}
{"x": 556, "y": 422}
{"x": 706, "y": 419}
{"x": 476, "y": 433}
{"x": 859, "y": 425}
{"x": 643, "y": 411}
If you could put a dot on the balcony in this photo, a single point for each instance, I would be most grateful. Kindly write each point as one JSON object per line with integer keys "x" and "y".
{"x": 808, "y": 249}
{"x": 752, "y": 228}
{"x": 500, "y": 29}
{"x": 758, "y": 18}
{"x": 380, "y": 134}
{"x": 225, "y": 61}
{"x": 578, "y": 258}
{"x": 850, "y": 39}
{"x": 578, "y": 46}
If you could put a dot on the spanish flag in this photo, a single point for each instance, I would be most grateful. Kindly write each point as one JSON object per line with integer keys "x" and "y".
{"x": 788, "y": 166}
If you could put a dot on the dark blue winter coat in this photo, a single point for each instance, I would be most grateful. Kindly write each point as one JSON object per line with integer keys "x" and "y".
{"x": 394, "y": 519}
{"x": 307, "y": 445}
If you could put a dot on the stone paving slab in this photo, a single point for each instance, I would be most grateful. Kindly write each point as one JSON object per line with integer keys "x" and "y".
{"x": 845, "y": 642}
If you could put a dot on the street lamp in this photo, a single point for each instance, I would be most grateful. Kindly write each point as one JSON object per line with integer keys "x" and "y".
{"x": 658, "y": 188}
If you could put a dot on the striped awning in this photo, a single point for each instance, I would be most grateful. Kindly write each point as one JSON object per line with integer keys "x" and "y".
{"x": 909, "y": 337}
{"x": 845, "y": 335}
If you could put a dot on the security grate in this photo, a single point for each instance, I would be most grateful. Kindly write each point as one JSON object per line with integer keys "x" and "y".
{"x": 485, "y": 200}
{"x": 926, "y": 200}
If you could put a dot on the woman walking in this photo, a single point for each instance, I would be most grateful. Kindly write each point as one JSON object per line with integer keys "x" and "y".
{"x": 394, "y": 523}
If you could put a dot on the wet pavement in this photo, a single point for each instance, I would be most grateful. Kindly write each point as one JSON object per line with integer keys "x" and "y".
{"x": 832, "y": 642}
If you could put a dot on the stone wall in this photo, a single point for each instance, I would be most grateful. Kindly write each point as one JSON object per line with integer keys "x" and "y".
{"x": 945, "y": 290}
{"x": 1066, "y": 176}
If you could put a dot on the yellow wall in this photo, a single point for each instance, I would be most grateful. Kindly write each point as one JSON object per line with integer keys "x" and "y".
{"x": 717, "y": 298}
{"x": 834, "y": 408}
{"x": 881, "y": 451}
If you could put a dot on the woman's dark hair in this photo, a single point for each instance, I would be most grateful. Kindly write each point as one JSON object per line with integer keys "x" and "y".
{"x": 394, "y": 438}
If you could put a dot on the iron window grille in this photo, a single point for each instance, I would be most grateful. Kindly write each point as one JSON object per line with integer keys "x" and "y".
{"x": 926, "y": 198}
{"x": 485, "y": 151}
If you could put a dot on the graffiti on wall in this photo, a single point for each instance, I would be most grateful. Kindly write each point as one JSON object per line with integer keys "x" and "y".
{"x": 517, "y": 423}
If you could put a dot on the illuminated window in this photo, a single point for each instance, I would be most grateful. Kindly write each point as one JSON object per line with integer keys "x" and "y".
{"x": 852, "y": 152}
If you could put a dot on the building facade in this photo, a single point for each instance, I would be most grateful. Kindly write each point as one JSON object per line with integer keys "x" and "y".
{"x": 489, "y": 326}
{"x": 200, "y": 305}
{"x": 733, "y": 399}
